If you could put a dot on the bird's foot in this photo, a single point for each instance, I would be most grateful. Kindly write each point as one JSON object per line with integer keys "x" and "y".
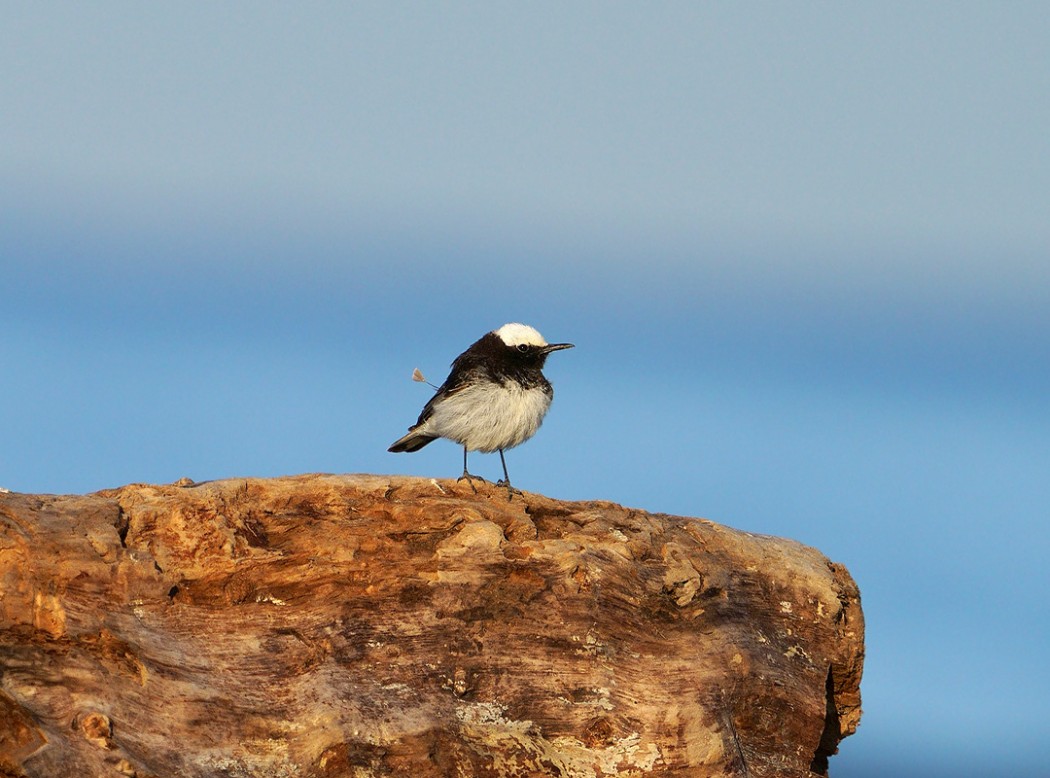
{"x": 470, "y": 479}
{"x": 511, "y": 491}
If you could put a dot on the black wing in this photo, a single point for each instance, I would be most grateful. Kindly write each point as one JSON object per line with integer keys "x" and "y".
{"x": 457, "y": 381}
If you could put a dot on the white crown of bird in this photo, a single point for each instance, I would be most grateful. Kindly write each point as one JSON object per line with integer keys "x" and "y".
{"x": 518, "y": 334}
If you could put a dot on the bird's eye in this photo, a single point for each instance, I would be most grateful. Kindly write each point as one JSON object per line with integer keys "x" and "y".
{"x": 523, "y": 347}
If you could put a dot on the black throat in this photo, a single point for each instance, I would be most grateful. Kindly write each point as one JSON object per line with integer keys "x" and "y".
{"x": 493, "y": 359}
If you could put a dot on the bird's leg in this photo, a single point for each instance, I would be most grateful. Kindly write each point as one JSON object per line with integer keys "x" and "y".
{"x": 470, "y": 478}
{"x": 511, "y": 491}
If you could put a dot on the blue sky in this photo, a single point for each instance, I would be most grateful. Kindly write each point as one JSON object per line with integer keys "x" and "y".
{"x": 803, "y": 252}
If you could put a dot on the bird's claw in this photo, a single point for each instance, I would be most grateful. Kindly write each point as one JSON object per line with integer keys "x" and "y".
{"x": 511, "y": 491}
{"x": 470, "y": 479}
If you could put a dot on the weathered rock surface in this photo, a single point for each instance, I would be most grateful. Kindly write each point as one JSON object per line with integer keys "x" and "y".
{"x": 365, "y": 626}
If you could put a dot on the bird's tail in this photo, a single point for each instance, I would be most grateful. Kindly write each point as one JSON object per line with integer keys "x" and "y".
{"x": 413, "y": 441}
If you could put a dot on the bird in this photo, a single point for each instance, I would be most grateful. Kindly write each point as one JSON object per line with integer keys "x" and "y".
{"x": 495, "y": 398}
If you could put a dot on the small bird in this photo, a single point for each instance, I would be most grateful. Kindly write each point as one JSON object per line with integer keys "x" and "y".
{"x": 494, "y": 398}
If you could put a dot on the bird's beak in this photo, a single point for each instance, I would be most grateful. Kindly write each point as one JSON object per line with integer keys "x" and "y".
{"x": 556, "y": 347}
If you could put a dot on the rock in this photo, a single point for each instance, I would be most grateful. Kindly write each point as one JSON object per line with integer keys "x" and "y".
{"x": 370, "y": 626}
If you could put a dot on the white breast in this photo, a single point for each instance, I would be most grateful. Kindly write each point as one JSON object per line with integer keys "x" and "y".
{"x": 487, "y": 417}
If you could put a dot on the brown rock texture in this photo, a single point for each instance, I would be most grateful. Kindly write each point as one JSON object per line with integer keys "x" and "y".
{"x": 362, "y": 625}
